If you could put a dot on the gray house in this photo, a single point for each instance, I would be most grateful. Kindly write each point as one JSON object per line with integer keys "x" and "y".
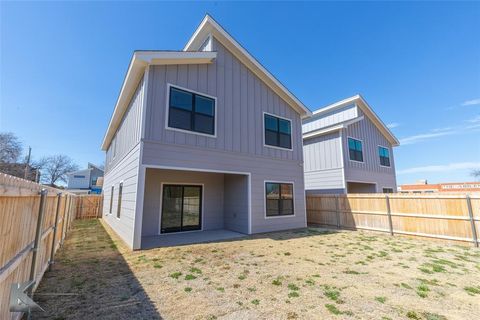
{"x": 203, "y": 139}
{"x": 85, "y": 181}
{"x": 347, "y": 148}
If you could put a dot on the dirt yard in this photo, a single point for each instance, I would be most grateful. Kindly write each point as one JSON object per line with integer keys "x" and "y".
{"x": 306, "y": 274}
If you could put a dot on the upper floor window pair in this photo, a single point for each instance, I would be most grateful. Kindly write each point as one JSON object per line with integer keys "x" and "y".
{"x": 355, "y": 152}
{"x": 195, "y": 112}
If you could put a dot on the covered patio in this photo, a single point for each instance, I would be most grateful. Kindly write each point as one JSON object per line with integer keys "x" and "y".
{"x": 191, "y": 206}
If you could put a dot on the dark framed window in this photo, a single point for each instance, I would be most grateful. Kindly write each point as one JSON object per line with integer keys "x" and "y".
{"x": 384, "y": 155}
{"x": 181, "y": 208}
{"x": 111, "y": 200}
{"x": 387, "y": 190}
{"x": 119, "y": 204}
{"x": 355, "y": 149}
{"x": 79, "y": 177}
{"x": 278, "y": 132}
{"x": 191, "y": 111}
{"x": 279, "y": 199}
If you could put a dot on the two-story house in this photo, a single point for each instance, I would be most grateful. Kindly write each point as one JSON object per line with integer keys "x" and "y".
{"x": 348, "y": 149}
{"x": 203, "y": 139}
{"x": 85, "y": 181}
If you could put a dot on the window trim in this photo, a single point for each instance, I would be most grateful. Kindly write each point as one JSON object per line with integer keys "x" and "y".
{"x": 112, "y": 192}
{"x": 202, "y": 215}
{"x": 167, "y": 112}
{"x": 389, "y": 158}
{"x": 363, "y": 150}
{"x": 119, "y": 200}
{"x": 291, "y": 131}
{"x": 265, "y": 200}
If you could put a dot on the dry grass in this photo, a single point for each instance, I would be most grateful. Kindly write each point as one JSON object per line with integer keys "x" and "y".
{"x": 306, "y": 274}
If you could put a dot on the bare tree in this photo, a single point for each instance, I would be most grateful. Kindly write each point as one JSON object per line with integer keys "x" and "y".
{"x": 55, "y": 168}
{"x": 476, "y": 174}
{"x": 10, "y": 147}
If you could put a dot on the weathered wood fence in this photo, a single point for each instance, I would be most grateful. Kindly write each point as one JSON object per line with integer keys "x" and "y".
{"x": 89, "y": 207}
{"x": 448, "y": 217}
{"x": 34, "y": 221}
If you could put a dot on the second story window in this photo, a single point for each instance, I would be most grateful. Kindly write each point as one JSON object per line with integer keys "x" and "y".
{"x": 384, "y": 155}
{"x": 278, "y": 132}
{"x": 355, "y": 150}
{"x": 191, "y": 111}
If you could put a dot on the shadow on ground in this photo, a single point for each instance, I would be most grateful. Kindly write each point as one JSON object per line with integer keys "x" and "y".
{"x": 91, "y": 280}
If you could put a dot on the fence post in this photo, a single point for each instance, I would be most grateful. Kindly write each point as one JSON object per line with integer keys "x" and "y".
{"x": 38, "y": 236}
{"x": 337, "y": 211}
{"x": 472, "y": 221}
{"x": 389, "y": 214}
{"x": 52, "y": 252}
{"x": 64, "y": 227}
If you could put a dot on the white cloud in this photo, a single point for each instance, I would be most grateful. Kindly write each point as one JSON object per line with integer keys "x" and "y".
{"x": 474, "y": 120}
{"x": 472, "y": 102}
{"x": 393, "y": 125}
{"x": 425, "y": 136}
{"x": 444, "y": 131}
{"x": 442, "y": 168}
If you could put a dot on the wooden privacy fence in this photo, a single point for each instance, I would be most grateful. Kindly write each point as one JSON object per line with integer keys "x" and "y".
{"x": 34, "y": 221}
{"x": 448, "y": 217}
{"x": 89, "y": 207}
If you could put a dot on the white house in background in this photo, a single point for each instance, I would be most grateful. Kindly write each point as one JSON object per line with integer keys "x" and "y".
{"x": 347, "y": 148}
{"x": 85, "y": 181}
{"x": 206, "y": 140}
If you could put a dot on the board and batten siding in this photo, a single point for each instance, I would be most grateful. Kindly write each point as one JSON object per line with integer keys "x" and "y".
{"x": 124, "y": 167}
{"x": 370, "y": 170}
{"x": 331, "y": 118}
{"x": 323, "y": 162}
{"x": 125, "y": 171}
{"x": 241, "y": 100}
{"x": 128, "y": 132}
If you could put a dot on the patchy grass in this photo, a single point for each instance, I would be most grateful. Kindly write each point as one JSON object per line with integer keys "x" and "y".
{"x": 303, "y": 274}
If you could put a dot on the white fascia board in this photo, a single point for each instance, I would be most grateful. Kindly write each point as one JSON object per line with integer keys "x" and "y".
{"x": 136, "y": 69}
{"x": 365, "y": 107}
{"x": 210, "y": 26}
{"x": 322, "y": 131}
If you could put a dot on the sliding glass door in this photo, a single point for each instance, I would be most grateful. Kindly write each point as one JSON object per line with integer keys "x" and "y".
{"x": 181, "y": 208}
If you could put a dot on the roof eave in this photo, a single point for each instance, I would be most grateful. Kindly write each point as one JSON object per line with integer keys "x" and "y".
{"x": 140, "y": 60}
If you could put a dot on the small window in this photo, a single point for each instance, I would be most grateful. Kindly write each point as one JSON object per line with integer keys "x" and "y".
{"x": 111, "y": 200}
{"x": 387, "y": 190}
{"x": 384, "y": 155}
{"x": 119, "y": 205}
{"x": 355, "y": 150}
{"x": 279, "y": 199}
{"x": 190, "y": 111}
{"x": 79, "y": 177}
{"x": 278, "y": 132}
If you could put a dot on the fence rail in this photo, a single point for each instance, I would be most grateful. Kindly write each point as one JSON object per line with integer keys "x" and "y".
{"x": 448, "y": 217}
{"x": 34, "y": 221}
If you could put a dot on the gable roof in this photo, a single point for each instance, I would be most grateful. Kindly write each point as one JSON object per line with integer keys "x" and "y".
{"x": 209, "y": 26}
{"x": 367, "y": 110}
{"x": 140, "y": 60}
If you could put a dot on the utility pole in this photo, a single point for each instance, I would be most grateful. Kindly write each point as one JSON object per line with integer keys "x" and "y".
{"x": 27, "y": 163}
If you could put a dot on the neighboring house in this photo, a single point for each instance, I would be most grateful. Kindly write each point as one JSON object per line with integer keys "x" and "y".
{"x": 21, "y": 170}
{"x": 203, "y": 139}
{"x": 85, "y": 181}
{"x": 449, "y": 187}
{"x": 347, "y": 148}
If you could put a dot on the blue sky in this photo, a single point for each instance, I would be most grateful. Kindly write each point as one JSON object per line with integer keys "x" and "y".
{"x": 417, "y": 64}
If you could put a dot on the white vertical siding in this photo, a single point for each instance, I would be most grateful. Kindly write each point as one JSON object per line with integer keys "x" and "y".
{"x": 331, "y": 118}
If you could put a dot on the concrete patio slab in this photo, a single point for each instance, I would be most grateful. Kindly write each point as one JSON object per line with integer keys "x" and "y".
{"x": 183, "y": 238}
